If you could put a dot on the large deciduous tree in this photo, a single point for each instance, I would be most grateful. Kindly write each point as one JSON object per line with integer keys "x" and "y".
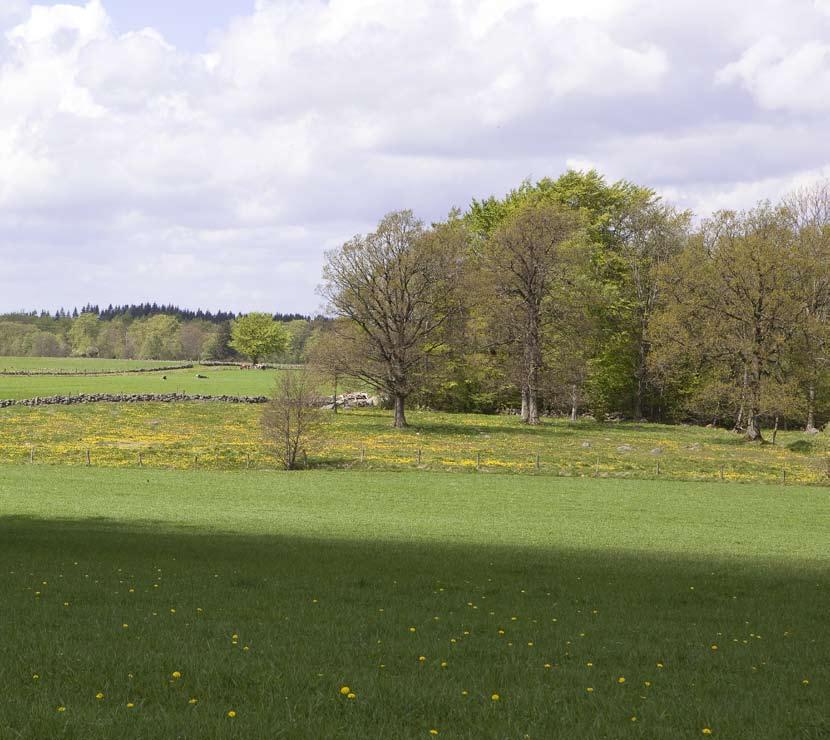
{"x": 528, "y": 257}
{"x": 731, "y": 298}
{"x": 396, "y": 289}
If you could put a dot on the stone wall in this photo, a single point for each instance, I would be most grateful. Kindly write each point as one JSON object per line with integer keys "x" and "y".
{"x": 127, "y": 398}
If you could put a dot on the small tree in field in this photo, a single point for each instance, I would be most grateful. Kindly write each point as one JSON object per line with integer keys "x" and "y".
{"x": 257, "y": 335}
{"x": 292, "y": 416}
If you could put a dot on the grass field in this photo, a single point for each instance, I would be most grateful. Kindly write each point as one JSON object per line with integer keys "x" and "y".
{"x": 228, "y": 436}
{"x": 148, "y": 604}
{"x": 79, "y": 364}
{"x": 217, "y": 381}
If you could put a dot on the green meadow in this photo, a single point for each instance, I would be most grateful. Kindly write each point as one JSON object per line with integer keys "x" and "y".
{"x": 202, "y": 604}
{"x": 214, "y": 381}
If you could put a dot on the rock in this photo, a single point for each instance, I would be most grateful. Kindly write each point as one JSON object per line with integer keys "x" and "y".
{"x": 586, "y": 444}
{"x": 657, "y": 451}
{"x": 625, "y": 448}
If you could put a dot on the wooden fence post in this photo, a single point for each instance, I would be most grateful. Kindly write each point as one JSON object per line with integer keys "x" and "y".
{"x": 538, "y": 462}
{"x": 88, "y": 460}
{"x": 31, "y": 454}
{"x": 721, "y": 472}
{"x": 140, "y": 461}
{"x": 478, "y": 461}
{"x": 658, "y": 468}
{"x": 362, "y": 454}
{"x": 196, "y": 461}
{"x": 419, "y": 456}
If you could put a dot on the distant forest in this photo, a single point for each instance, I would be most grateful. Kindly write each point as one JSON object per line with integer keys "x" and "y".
{"x": 142, "y": 331}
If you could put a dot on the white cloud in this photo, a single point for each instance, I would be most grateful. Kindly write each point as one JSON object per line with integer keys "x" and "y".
{"x": 781, "y": 77}
{"x": 220, "y": 177}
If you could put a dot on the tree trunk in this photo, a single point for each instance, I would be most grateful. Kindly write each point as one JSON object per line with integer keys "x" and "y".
{"x": 753, "y": 427}
{"x": 525, "y": 403}
{"x": 400, "y": 417}
{"x": 334, "y": 397}
{"x": 574, "y": 402}
{"x": 533, "y": 407}
{"x": 753, "y": 424}
{"x": 739, "y": 420}
{"x": 775, "y": 430}
{"x": 533, "y": 393}
{"x": 811, "y": 407}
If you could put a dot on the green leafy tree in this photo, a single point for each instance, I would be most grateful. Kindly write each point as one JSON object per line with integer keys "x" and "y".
{"x": 83, "y": 334}
{"x": 257, "y": 335}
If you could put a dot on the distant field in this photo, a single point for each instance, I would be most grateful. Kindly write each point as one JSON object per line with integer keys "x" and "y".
{"x": 153, "y": 604}
{"x": 218, "y": 381}
{"x": 228, "y": 436}
{"x": 78, "y": 364}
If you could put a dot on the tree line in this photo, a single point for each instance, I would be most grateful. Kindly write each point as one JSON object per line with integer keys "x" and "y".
{"x": 141, "y": 332}
{"x": 578, "y": 296}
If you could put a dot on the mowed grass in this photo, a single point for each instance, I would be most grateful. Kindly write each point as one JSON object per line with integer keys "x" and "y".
{"x": 227, "y": 436}
{"x": 79, "y": 364}
{"x": 215, "y": 381}
{"x": 152, "y": 603}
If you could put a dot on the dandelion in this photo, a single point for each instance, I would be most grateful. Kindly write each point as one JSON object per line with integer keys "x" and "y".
{"x": 444, "y": 664}
{"x": 351, "y": 695}
{"x": 345, "y": 690}
{"x": 176, "y": 675}
{"x": 495, "y": 697}
{"x": 433, "y": 731}
{"x": 805, "y": 682}
{"x": 464, "y": 692}
{"x": 231, "y": 714}
{"x": 660, "y": 665}
{"x": 422, "y": 658}
{"x": 193, "y": 700}
{"x": 621, "y": 680}
{"x": 61, "y": 709}
{"x": 411, "y": 629}
{"x": 547, "y": 665}
{"x": 706, "y": 731}
{"x": 590, "y": 689}
{"x": 99, "y": 696}
{"x": 130, "y": 705}
{"x": 35, "y": 677}
{"x": 714, "y": 647}
{"x": 124, "y": 626}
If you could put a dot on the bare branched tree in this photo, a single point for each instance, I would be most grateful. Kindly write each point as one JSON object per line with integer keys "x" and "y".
{"x": 396, "y": 289}
{"x": 292, "y": 416}
{"x": 529, "y": 257}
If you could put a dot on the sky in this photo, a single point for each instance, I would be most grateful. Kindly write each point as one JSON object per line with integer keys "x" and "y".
{"x": 208, "y": 152}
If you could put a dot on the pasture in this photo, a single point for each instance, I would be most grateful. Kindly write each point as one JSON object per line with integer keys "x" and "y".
{"x": 228, "y": 436}
{"x": 146, "y": 603}
{"x": 216, "y": 380}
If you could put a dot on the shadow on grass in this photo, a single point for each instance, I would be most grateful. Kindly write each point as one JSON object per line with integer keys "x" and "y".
{"x": 321, "y": 612}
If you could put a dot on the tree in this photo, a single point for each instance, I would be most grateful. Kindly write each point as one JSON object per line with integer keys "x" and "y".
{"x": 529, "y": 257}
{"x": 292, "y": 416}
{"x": 651, "y": 233}
{"x": 732, "y": 299}
{"x": 395, "y": 288}
{"x": 809, "y": 210}
{"x": 324, "y": 351}
{"x": 83, "y": 334}
{"x": 257, "y": 335}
